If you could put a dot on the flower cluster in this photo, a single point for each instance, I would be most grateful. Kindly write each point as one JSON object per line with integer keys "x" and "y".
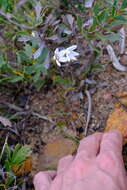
{"x": 65, "y": 55}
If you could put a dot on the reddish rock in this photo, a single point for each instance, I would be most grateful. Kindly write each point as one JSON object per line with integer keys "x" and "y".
{"x": 54, "y": 151}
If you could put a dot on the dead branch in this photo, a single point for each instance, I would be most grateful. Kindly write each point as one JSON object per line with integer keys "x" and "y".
{"x": 89, "y": 111}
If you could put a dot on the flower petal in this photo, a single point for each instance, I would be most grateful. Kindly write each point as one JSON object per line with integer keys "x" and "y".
{"x": 68, "y": 58}
{"x": 74, "y": 53}
{"x": 62, "y": 53}
{"x": 63, "y": 59}
{"x": 56, "y": 51}
{"x": 65, "y": 55}
{"x": 58, "y": 63}
{"x": 71, "y": 48}
{"x": 73, "y": 58}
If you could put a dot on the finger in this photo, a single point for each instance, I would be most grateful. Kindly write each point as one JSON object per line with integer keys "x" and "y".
{"x": 111, "y": 141}
{"x": 110, "y": 157}
{"x": 64, "y": 163}
{"x": 42, "y": 180}
{"x": 89, "y": 146}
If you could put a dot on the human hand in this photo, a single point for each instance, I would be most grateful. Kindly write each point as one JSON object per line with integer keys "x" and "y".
{"x": 97, "y": 165}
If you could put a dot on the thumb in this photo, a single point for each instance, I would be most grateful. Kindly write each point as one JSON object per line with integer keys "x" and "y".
{"x": 42, "y": 180}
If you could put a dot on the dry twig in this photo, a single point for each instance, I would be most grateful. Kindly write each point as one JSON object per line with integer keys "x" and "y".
{"x": 89, "y": 111}
{"x": 12, "y": 106}
{"x": 42, "y": 117}
{"x": 5, "y": 143}
{"x": 21, "y": 111}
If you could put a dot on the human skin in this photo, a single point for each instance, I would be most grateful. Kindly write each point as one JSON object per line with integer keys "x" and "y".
{"x": 98, "y": 165}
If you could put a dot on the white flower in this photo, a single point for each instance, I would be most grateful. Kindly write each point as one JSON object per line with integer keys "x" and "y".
{"x": 65, "y": 55}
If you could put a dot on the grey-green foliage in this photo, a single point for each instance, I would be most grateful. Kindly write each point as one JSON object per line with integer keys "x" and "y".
{"x": 106, "y": 17}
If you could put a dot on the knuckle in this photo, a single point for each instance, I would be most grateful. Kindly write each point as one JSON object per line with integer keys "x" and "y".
{"x": 40, "y": 175}
{"x": 79, "y": 163}
{"x": 113, "y": 134}
{"x": 37, "y": 176}
{"x": 109, "y": 159}
{"x": 65, "y": 159}
{"x": 111, "y": 155}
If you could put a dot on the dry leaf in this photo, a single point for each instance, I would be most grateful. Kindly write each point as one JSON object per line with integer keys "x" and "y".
{"x": 118, "y": 120}
{"x": 117, "y": 65}
{"x": 24, "y": 168}
{"x": 6, "y": 122}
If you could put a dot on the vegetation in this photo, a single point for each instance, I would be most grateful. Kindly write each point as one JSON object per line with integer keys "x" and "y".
{"x": 28, "y": 29}
{"x": 11, "y": 162}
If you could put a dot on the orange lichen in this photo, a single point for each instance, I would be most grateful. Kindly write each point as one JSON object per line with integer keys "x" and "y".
{"x": 23, "y": 168}
{"x": 118, "y": 120}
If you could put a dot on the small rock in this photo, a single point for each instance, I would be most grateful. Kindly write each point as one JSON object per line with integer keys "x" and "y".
{"x": 121, "y": 94}
{"x": 54, "y": 151}
{"x": 107, "y": 97}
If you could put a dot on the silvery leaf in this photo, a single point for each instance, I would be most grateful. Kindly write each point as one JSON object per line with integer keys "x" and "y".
{"x": 9, "y": 15}
{"x": 89, "y": 3}
{"x": 25, "y": 38}
{"x": 55, "y": 22}
{"x": 50, "y": 19}
{"x": 115, "y": 60}
{"x": 47, "y": 62}
{"x": 6, "y": 122}
{"x": 122, "y": 40}
{"x": 53, "y": 37}
{"x": 70, "y": 19}
{"x": 68, "y": 32}
{"x": 21, "y": 3}
{"x": 90, "y": 81}
{"x": 88, "y": 22}
{"x": 38, "y": 9}
{"x": 38, "y": 52}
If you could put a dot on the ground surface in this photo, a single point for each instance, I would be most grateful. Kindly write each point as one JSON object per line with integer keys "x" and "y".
{"x": 66, "y": 110}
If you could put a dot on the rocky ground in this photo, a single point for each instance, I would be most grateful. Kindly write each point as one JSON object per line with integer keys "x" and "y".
{"x": 60, "y": 116}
